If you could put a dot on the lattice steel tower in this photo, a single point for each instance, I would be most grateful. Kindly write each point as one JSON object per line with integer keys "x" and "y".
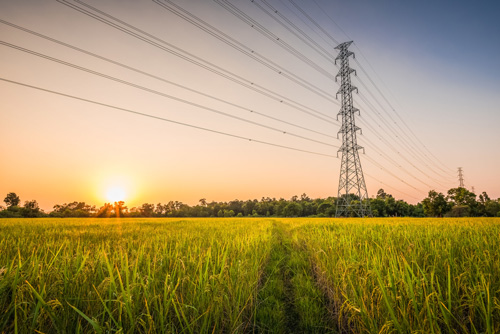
{"x": 351, "y": 182}
{"x": 461, "y": 177}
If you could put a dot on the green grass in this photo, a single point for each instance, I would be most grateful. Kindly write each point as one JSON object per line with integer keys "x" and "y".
{"x": 250, "y": 275}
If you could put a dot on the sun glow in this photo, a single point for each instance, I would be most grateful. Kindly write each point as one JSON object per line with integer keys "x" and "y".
{"x": 115, "y": 194}
{"x": 116, "y": 186}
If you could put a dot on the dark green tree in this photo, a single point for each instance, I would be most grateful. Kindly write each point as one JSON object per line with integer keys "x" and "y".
{"x": 381, "y": 194}
{"x": 378, "y": 206}
{"x": 324, "y": 209}
{"x": 12, "y": 200}
{"x": 492, "y": 208}
{"x": 462, "y": 197}
{"x": 147, "y": 210}
{"x": 292, "y": 209}
{"x": 435, "y": 204}
{"x": 31, "y": 209}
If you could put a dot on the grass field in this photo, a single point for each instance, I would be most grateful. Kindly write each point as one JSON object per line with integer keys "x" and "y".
{"x": 251, "y": 275}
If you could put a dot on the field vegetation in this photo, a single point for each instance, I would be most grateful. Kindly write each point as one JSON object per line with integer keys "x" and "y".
{"x": 250, "y": 275}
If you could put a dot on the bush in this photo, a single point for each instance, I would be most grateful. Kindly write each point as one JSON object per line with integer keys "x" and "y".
{"x": 459, "y": 211}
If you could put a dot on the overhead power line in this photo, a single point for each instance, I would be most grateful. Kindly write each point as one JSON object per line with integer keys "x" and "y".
{"x": 376, "y": 179}
{"x": 160, "y": 93}
{"x": 166, "y": 119}
{"x": 408, "y": 144}
{"x": 389, "y": 144}
{"x": 160, "y": 78}
{"x": 398, "y": 154}
{"x": 178, "y": 52}
{"x": 294, "y": 30}
{"x": 403, "y": 136}
{"x": 435, "y": 161}
{"x": 225, "y": 38}
{"x": 316, "y": 23}
{"x": 271, "y": 36}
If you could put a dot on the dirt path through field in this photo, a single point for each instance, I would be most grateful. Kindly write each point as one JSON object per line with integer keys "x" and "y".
{"x": 289, "y": 300}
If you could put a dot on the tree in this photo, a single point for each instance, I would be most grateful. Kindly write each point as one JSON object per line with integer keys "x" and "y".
{"x": 484, "y": 199}
{"x": 378, "y": 206}
{"x": 12, "y": 200}
{"x": 160, "y": 209}
{"x": 381, "y": 194}
{"x": 304, "y": 198}
{"x": 390, "y": 206}
{"x": 74, "y": 209}
{"x": 435, "y": 205}
{"x": 459, "y": 211}
{"x": 30, "y": 209}
{"x": 147, "y": 210}
{"x": 292, "y": 209}
{"x": 228, "y": 213}
{"x": 402, "y": 208}
{"x": 462, "y": 197}
{"x": 104, "y": 211}
{"x": 120, "y": 209}
{"x": 492, "y": 208}
{"x": 308, "y": 208}
{"x": 325, "y": 209}
{"x": 248, "y": 207}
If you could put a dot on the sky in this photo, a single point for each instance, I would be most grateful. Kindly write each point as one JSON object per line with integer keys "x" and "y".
{"x": 102, "y": 114}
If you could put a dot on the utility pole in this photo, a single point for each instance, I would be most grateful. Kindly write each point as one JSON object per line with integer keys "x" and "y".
{"x": 461, "y": 177}
{"x": 351, "y": 181}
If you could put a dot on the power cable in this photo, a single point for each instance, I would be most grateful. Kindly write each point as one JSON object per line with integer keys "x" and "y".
{"x": 158, "y": 93}
{"x": 301, "y": 35}
{"x": 314, "y": 22}
{"x": 385, "y": 184}
{"x": 178, "y": 52}
{"x": 166, "y": 119}
{"x": 381, "y": 138}
{"x": 271, "y": 36}
{"x": 403, "y": 135}
{"x": 225, "y": 38}
{"x": 383, "y": 96}
{"x": 159, "y": 78}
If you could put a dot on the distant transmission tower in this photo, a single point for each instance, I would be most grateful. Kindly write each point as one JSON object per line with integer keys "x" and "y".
{"x": 460, "y": 177}
{"x": 351, "y": 182}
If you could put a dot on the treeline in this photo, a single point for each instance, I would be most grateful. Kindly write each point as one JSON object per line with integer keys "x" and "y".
{"x": 459, "y": 202}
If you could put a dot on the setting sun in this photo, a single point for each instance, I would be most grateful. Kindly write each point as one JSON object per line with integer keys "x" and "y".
{"x": 115, "y": 194}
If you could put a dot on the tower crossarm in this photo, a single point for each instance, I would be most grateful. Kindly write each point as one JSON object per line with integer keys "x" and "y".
{"x": 349, "y": 71}
{"x": 349, "y": 88}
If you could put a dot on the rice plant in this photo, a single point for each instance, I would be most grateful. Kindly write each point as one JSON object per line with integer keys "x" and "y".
{"x": 250, "y": 275}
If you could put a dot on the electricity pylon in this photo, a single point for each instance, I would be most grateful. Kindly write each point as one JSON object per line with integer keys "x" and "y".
{"x": 461, "y": 177}
{"x": 352, "y": 197}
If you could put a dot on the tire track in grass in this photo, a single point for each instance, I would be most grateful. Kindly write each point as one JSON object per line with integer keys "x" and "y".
{"x": 289, "y": 300}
